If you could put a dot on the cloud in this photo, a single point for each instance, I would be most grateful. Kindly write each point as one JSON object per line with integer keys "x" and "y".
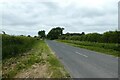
{"x": 27, "y": 17}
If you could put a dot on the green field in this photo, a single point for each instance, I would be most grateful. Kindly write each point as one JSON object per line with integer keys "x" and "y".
{"x": 107, "y": 48}
{"x": 22, "y": 54}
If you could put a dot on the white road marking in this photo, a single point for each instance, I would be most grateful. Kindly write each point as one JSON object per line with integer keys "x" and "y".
{"x": 81, "y": 54}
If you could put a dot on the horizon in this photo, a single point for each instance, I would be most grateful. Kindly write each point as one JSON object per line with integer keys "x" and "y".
{"x": 28, "y": 17}
{"x": 54, "y": 27}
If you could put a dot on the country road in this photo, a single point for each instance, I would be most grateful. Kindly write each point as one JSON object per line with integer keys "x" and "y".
{"x": 82, "y": 63}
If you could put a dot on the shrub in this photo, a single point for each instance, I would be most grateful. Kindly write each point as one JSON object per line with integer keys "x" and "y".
{"x": 14, "y": 45}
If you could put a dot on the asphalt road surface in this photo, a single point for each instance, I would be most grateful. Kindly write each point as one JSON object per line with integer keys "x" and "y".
{"x": 82, "y": 63}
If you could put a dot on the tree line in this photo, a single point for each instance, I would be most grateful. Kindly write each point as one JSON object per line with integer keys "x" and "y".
{"x": 106, "y": 37}
{"x": 57, "y": 33}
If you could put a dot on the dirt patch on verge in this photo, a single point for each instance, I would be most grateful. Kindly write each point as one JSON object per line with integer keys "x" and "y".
{"x": 36, "y": 71}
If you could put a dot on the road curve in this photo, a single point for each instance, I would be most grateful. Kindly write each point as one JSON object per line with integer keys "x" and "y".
{"x": 83, "y": 63}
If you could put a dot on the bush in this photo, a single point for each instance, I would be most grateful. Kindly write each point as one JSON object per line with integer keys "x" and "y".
{"x": 14, "y": 45}
{"x": 107, "y": 37}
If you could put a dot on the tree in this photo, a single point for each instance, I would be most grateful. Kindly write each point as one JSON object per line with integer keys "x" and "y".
{"x": 55, "y": 33}
{"x": 41, "y": 34}
{"x": 21, "y": 35}
{"x": 111, "y": 37}
{"x": 35, "y": 36}
{"x": 29, "y": 36}
{"x": 3, "y": 32}
{"x": 83, "y": 33}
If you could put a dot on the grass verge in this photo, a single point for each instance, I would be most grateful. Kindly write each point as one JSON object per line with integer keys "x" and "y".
{"x": 40, "y": 54}
{"x": 106, "y": 48}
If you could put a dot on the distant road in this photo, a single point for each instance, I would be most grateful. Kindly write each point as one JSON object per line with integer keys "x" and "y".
{"x": 82, "y": 63}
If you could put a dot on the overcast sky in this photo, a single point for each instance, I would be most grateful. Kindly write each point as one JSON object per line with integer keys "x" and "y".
{"x": 29, "y": 16}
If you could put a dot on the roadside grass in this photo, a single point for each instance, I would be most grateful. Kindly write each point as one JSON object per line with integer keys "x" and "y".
{"x": 106, "y": 48}
{"x": 39, "y": 54}
{"x": 56, "y": 68}
{"x": 14, "y": 45}
{"x": 13, "y": 65}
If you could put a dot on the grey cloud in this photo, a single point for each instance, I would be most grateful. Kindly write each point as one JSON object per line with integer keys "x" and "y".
{"x": 15, "y": 21}
{"x": 50, "y": 14}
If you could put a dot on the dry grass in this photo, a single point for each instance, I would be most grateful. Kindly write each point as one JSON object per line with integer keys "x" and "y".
{"x": 36, "y": 71}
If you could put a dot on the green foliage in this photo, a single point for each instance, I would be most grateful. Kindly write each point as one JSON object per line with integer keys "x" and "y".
{"x": 29, "y": 36}
{"x": 41, "y": 34}
{"x": 58, "y": 70}
{"x": 95, "y": 44}
{"x": 53, "y": 61}
{"x": 3, "y": 32}
{"x": 55, "y": 33}
{"x": 14, "y": 45}
{"x": 22, "y": 62}
{"x": 107, "y": 37}
{"x": 111, "y": 37}
{"x": 39, "y": 55}
{"x": 108, "y": 48}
